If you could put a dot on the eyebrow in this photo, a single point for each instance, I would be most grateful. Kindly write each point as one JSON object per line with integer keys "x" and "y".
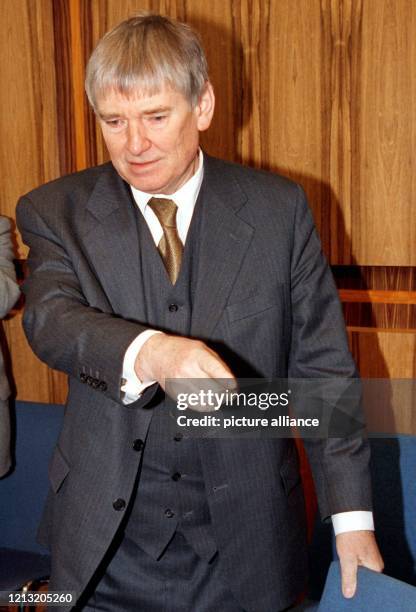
{"x": 151, "y": 111}
{"x": 107, "y": 116}
{"x": 159, "y": 109}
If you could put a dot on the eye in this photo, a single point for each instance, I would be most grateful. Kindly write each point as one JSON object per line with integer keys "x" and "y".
{"x": 114, "y": 124}
{"x": 157, "y": 119}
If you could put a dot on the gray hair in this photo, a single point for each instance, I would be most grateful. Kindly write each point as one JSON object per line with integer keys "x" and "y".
{"x": 145, "y": 53}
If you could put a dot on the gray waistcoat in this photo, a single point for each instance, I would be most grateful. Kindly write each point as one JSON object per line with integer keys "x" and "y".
{"x": 170, "y": 492}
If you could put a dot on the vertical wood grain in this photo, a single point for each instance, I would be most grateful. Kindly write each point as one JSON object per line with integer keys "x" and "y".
{"x": 28, "y": 118}
{"x": 65, "y": 104}
{"x": 297, "y": 126}
{"x": 77, "y": 64}
{"x": 384, "y": 111}
{"x": 388, "y": 356}
{"x": 339, "y": 243}
{"x": 32, "y": 379}
{"x": 29, "y": 155}
{"x": 218, "y": 25}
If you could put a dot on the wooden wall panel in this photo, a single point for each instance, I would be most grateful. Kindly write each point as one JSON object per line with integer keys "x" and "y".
{"x": 384, "y": 133}
{"x": 294, "y": 102}
{"x": 389, "y": 406}
{"x": 32, "y": 379}
{"x": 384, "y": 354}
{"x": 28, "y": 118}
{"x": 390, "y": 357}
{"x": 379, "y": 297}
{"x": 29, "y": 155}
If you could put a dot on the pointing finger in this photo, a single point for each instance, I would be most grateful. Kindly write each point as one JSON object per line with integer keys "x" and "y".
{"x": 349, "y": 577}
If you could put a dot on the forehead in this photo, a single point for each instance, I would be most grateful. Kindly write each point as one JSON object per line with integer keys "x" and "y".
{"x": 114, "y": 100}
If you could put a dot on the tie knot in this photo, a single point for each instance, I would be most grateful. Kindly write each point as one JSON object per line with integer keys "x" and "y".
{"x": 165, "y": 211}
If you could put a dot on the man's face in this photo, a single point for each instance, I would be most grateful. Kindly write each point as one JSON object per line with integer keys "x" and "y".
{"x": 153, "y": 140}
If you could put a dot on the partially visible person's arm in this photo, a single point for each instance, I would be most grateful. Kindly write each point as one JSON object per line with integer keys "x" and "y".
{"x": 9, "y": 290}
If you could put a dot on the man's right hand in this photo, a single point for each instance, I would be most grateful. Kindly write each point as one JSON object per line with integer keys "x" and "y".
{"x": 164, "y": 357}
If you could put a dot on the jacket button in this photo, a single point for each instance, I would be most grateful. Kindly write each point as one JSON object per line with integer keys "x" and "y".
{"x": 176, "y": 476}
{"x": 102, "y": 386}
{"x": 178, "y": 437}
{"x": 173, "y": 307}
{"x": 138, "y": 445}
{"x": 169, "y": 513}
{"x": 119, "y": 504}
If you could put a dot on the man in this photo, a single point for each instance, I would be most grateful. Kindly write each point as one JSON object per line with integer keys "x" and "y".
{"x": 166, "y": 264}
{"x": 9, "y": 292}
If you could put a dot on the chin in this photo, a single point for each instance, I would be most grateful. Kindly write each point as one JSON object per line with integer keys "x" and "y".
{"x": 141, "y": 182}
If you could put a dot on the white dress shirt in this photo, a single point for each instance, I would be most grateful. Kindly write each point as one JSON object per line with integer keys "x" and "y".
{"x": 185, "y": 199}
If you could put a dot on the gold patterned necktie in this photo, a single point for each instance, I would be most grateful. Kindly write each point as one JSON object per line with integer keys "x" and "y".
{"x": 170, "y": 246}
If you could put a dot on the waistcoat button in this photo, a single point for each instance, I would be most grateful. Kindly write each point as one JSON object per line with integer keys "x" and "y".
{"x": 119, "y": 504}
{"x": 138, "y": 445}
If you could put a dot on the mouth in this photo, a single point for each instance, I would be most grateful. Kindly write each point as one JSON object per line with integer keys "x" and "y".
{"x": 142, "y": 165}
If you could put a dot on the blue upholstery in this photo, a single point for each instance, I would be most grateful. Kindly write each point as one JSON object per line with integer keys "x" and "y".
{"x": 375, "y": 592}
{"x": 394, "y": 492}
{"x": 23, "y": 492}
{"x": 393, "y": 467}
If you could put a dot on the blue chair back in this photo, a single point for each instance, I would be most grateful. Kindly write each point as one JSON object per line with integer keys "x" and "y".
{"x": 23, "y": 491}
{"x": 374, "y": 592}
{"x": 393, "y": 469}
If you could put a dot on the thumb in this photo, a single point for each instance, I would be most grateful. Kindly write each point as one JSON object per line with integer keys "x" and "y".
{"x": 349, "y": 577}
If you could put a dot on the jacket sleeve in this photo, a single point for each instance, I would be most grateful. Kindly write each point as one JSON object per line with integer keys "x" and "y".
{"x": 320, "y": 355}
{"x": 9, "y": 290}
{"x": 63, "y": 329}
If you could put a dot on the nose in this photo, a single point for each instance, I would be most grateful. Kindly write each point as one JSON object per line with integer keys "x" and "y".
{"x": 137, "y": 141}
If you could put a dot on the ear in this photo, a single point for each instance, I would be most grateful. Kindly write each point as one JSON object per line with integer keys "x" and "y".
{"x": 205, "y": 107}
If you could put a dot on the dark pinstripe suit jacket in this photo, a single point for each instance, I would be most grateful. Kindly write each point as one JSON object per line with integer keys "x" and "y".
{"x": 268, "y": 304}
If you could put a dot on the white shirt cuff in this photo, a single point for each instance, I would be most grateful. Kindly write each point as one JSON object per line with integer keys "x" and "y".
{"x": 357, "y": 520}
{"x": 132, "y": 387}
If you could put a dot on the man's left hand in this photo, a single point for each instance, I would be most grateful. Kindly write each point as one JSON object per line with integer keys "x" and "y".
{"x": 357, "y": 548}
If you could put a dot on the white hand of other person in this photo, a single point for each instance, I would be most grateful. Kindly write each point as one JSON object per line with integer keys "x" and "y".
{"x": 164, "y": 357}
{"x": 357, "y": 548}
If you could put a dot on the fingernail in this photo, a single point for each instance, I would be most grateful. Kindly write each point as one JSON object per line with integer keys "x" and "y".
{"x": 349, "y": 592}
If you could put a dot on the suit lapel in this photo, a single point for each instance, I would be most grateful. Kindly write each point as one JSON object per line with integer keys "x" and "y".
{"x": 112, "y": 242}
{"x": 225, "y": 238}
